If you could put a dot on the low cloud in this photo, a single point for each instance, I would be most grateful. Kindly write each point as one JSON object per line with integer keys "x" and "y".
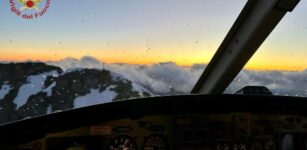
{"x": 292, "y": 83}
{"x": 169, "y": 78}
{"x": 161, "y": 78}
{"x": 84, "y": 62}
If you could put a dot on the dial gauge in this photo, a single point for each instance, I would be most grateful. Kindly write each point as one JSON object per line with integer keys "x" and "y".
{"x": 122, "y": 142}
{"x": 155, "y": 142}
{"x": 270, "y": 145}
{"x": 223, "y": 146}
{"x": 239, "y": 146}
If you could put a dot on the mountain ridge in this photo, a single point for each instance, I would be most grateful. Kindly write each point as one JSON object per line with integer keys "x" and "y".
{"x": 32, "y": 89}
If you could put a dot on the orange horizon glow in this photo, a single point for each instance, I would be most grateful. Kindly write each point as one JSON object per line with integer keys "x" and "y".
{"x": 46, "y": 58}
{"x": 257, "y": 63}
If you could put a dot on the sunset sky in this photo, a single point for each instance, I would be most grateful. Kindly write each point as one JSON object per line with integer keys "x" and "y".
{"x": 145, "y": 32}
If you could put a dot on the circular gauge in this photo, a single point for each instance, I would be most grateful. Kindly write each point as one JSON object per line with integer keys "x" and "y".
{"x": 270, "y": 145}
{"x": 239, "y": 146}
{"x": 155, "y": 142}
{"x": 223, "y": 146}
{"x": 122, "y": 142}
{"x": 76, "y": 147}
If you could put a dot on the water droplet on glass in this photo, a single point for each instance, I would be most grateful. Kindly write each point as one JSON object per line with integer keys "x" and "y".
{"x": 148, "y": 48}
{"x": 109, "y": 45}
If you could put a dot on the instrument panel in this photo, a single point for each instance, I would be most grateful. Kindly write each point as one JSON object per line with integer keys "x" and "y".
{"x": 235, "y": 131}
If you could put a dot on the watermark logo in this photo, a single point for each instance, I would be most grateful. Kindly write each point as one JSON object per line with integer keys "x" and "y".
{"x": 29, "y": 9}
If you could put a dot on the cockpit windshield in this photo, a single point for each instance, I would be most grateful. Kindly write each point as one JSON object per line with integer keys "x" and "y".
{"x": 61, "y": 54}
{"x": 280, "y": 63}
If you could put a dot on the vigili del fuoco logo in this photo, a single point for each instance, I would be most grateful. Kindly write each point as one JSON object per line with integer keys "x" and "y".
{"x": 29, "y": 9}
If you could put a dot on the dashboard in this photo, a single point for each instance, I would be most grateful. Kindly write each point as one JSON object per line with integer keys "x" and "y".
{"x": 237, "y": 131}
{"x": 174, "y": 123}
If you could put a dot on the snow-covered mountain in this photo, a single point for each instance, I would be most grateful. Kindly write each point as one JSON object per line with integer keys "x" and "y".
{"x": 31, "y": 89}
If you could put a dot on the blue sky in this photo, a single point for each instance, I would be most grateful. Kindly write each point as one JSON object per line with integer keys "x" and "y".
{"x": 140, "y": 31}
{"x": 101, "y": 27}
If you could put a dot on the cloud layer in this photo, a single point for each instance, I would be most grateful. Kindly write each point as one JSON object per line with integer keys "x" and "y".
{"x": 169, "y": 78}
{"x": 162, "y": 78}
{"x": 292, "y": 83}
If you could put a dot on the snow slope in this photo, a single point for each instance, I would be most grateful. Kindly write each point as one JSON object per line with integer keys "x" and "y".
{"x": 35, "y": 85}
{"x": 48, "y": 90}
{"x": 95, "y": 97}
{"x": 5, "y": 89}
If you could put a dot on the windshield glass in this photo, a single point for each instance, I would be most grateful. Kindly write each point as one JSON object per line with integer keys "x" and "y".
{"x": 280, "y": 64}
{"x": 61, "y": 54}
